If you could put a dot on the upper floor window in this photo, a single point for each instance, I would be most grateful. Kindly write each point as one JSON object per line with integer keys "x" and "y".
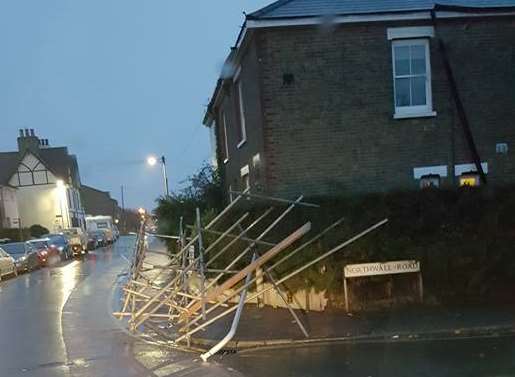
{"x": 240, "y": 109}
{"x": 412, "y": 78}
{"x": 224, "y": 148}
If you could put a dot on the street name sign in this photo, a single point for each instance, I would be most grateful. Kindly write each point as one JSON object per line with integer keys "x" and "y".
{"x": 387, "y": 268}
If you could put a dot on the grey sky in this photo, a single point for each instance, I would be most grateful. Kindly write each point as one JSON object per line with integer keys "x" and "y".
{"x": 116, "y": 80}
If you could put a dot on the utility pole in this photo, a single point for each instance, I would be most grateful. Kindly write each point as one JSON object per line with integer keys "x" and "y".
{"x": 165, "y": 176}
{"x": 123, "y": 212}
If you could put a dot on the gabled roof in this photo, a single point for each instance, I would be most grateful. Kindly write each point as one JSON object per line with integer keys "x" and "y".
{"x": 61, "y": 163}
{"x": 318, "y": 8}
{"x": 57, "y": 160}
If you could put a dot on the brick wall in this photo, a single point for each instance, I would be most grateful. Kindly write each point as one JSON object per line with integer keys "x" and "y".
{"x": 243, "y": 155}
{"x": 331, "y": 130}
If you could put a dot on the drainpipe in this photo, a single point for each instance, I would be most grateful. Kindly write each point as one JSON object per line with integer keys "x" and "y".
{"x": 457, "y": 101}
{"x": 235, "y": 320}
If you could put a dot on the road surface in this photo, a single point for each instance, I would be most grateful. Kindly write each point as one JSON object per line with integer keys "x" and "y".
{"x": 57, "y": 322}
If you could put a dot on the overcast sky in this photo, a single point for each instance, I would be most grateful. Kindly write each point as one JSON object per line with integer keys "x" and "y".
{"x": 115, "y": 81}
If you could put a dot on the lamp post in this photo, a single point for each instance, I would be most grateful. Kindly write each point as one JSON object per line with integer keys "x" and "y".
{"x": 142, "y": 213}
{"x": 152, "y": 161}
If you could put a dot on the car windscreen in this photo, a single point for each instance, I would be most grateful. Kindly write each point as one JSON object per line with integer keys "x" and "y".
{"x": 39, "y": 244}
{"x": 15, "y": 249}
{"x": 57, "y": 240}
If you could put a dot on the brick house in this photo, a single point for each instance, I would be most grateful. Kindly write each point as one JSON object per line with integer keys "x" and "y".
{"x": 331, "y": 97}
{"x": 99, "y": 203}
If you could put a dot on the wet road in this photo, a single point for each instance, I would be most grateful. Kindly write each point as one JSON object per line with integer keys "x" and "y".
{"x": 57, "y": 322}
{"x": 456, "y": 358}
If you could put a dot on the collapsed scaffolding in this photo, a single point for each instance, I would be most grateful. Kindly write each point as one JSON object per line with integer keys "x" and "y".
{"x": 188, "y": 308}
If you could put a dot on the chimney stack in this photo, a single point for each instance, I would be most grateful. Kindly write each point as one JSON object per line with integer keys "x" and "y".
{"x": 28, "y": 141}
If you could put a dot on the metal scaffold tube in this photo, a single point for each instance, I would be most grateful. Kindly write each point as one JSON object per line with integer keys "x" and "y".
{"x": 186, "y": 289}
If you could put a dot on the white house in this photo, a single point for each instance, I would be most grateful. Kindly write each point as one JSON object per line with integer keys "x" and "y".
{"x": 47, "y": 183}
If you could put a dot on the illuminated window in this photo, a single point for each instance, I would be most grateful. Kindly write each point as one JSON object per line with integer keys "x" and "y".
{"x": 430, "y": 180}
{"x": 469, "y": 179}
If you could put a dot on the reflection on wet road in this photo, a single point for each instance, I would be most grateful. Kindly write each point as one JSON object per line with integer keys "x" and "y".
{"x": 57, "y": 322}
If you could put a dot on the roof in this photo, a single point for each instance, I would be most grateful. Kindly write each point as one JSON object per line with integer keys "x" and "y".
{"x": 298, "y": 9}
{"x": 57, "y": 160}
{"x": 86, "y": 187}
{"x": 317, "y": 8}
{"x": 8, "y": 164}
{"x": 61, "y": 163}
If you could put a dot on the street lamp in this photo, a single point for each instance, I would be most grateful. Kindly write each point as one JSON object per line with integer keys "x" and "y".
{"x": 142, "y": 212}
{"x": 152, "y": 161}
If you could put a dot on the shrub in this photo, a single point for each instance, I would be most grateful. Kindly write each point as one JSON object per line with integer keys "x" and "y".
{"x": 37, "y": 230}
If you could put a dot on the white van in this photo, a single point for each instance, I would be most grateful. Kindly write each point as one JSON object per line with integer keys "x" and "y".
{"x": 103, "y": 223}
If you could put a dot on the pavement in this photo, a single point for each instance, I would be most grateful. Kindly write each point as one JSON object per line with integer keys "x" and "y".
{"x": 269, "y": 327}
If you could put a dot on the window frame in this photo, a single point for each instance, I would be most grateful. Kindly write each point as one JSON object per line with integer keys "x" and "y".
{"x": 223, "y": 129}
{"x": 240, "y": 109}
{"x": 245, "y": 177}
{"x": 426, "y": 110}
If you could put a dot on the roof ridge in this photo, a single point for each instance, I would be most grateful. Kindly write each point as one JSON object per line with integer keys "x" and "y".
{"x": 270, "y": 7}
{"x": 289, "y": 9}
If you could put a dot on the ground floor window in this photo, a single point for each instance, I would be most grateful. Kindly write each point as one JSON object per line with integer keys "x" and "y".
{"x": 430, "y": 180}
{"x": 470, "y": 179}
{"x": 245, "y": 177}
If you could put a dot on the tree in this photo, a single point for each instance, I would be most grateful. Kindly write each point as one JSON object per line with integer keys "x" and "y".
{"x": 203, "y": 191}
{"x": 37, "y": 230}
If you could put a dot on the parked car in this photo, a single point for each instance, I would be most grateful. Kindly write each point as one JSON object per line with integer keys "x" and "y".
{"x": 108, "y": 235}
{"x": 25, "y": 256}
{"x": 7, "y": 265}
{"x": 60, "y": 241}
{"x": 93, "y": 241}
{"x": 48, "y": 253}
{"x": 100, "y": 236}
{"x": 77, "y": 240}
